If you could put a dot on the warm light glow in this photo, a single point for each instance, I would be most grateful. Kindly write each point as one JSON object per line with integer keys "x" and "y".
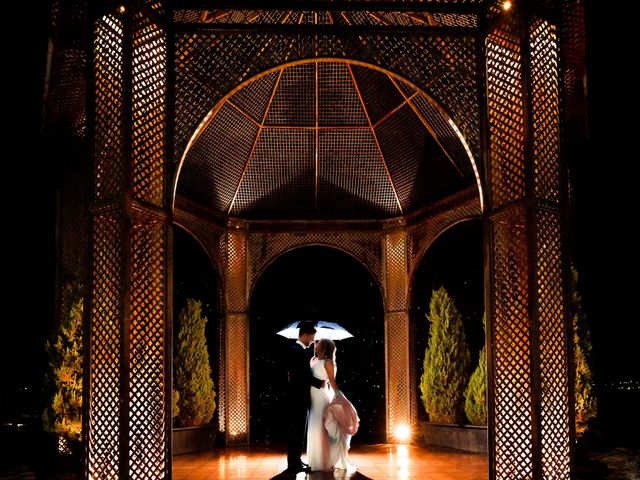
{"x": 473, "y": 161}
{"x": 122, "y": 9}
{"x": 402, "y": 433}
{"x": 506, "y": 6}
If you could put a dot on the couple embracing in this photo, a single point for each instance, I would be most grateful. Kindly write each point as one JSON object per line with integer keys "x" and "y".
{"x": 313, "y": 392}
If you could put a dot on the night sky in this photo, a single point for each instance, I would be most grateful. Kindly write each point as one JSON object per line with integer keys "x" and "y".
{"x": 605, "y": 190}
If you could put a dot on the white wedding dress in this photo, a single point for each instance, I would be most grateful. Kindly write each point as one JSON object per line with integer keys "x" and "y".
{"x": 325, "y": 451}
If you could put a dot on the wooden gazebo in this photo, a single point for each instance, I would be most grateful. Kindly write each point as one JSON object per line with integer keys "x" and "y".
{"x": 367, "y": 126}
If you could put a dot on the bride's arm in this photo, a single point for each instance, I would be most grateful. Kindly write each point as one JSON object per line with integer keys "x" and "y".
{"x": 329, "y": 367}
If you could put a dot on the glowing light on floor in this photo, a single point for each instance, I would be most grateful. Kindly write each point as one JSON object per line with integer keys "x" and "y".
{"x": 402, "y": 433}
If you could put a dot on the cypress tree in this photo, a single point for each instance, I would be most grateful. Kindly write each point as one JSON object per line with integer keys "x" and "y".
{"x": 586, "y": 403}
{"x": 193, "y": 383}
{"x": 475, "y": 404}
{"x": 446, "y": 361}
{"x": 63, "y": 382}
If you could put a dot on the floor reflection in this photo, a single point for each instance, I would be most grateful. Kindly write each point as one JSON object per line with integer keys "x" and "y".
{"x": 374, "y": 462}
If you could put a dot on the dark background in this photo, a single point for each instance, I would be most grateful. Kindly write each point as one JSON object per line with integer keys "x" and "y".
{"x": 604, "y": 187}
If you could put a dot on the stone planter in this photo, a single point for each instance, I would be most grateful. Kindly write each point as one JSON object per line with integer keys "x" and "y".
{"x": 193, "y": 439}
{"x": 461, "y": 437}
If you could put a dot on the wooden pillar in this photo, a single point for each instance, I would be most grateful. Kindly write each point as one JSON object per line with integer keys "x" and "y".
{"x": 236, "y": 336}
{"x": 127, "y": 416}
{"x": 527, "y": 320}
{"x": 396, "y": 323}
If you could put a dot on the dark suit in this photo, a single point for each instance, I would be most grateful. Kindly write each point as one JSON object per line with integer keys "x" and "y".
{"x": 299, "y": 400}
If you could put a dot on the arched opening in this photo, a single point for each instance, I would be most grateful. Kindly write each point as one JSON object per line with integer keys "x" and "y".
{"x": 194, "y": 277}
{"x": 453, "y": 261}
{"x": 319, "y": 283}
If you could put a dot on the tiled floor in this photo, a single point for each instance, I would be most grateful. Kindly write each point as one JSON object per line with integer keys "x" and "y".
{"x": 378, "y": 462}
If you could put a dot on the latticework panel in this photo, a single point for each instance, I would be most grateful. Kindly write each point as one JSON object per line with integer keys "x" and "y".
{"x": 208, "y": 235}
{"x": 545, "y": 109}
{"x": 421, "y": 236}
{"x": 554, "y": 408}
{"x": 73, "y": 229}
{"x": 237, "y": 378}
{"x": 329, "y": 139}
{"x": 285, "y": 155}
{"x": 109, "y": 102}
{"x": 511, "y": 347}
{"x": 222, "y": 375}
{"x": 398, "y": 375}
{"x": 147, "y": 376}
{"x": 149, "y": 102}
{"x": 350, "y": 161}
{"x": 395, "y": 270}
{"x": 105, "y": 343}
{"x": 573, "y": 43}
{"x": 236, "y": 277}
{"x": 66, "y": 88}
{"x": 506, "y": 118}
{"x": 266, "y": 247}
{"x": 320, "y": 17}
{"x": 208, "y": 65}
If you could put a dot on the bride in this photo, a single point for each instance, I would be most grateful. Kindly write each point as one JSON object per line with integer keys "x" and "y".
{"x": 332, "y": 418}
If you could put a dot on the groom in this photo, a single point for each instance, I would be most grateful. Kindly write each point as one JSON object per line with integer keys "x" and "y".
{"x": 299, "y": 395}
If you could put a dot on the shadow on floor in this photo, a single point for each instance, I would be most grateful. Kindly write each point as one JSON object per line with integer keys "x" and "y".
{"x": 336, "y": 474}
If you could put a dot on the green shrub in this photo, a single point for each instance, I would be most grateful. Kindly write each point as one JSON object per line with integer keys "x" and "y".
{"x": 193, "y": 382}
{"x": 63, "y": 382}
{"x": 446, "y": 361}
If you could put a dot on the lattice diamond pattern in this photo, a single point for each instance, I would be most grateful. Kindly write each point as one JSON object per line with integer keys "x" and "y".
{"x": 147, "y": 403}
{"x": 573, "y": 42}
{"x": 395, "y": 262}
{"x": 288, "y": 157}
{"x": 511, "y": 348}
{"x": 105, "y": 343}
{"x": 296, "y": 85}
{"x": 553, "y": 346}
{"x": 545, "y": 106}
{"x": 236, "y": 271}
{"x": 206, "y": 69}
{"x": 266, "y": 247}
{"x": 237, "y": 385}
{"x": 350, "y": 161}
{"x": 108, "y": 140}
{"x": 338, "y": 98}
{"x": 421, "y": 236}
{"x": 505, "y": 115}
{"x": 398, "y": 375}
{"x": 225, "y": 141}
{"x": 253, "y": 99}
{"x": 149, "y": 112}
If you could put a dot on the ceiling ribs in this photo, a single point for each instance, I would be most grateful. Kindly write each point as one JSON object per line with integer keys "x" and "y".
{"x": 375, "y": 138}
{"x": 426, "y": 125}
{"x": 255, "y": 142}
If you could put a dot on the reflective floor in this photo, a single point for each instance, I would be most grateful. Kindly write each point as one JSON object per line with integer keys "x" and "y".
{"x": 374, "y": 462}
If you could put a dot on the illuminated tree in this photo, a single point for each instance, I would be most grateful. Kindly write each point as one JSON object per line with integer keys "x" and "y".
{"x": 446, "y": 361}
{"x": 63, "y": 413}
{"x": 586, "y": 403}
{"x": 475, "y": 404}
{"x": 193, "y": 382}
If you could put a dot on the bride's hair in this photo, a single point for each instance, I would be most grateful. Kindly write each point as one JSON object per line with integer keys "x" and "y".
{"x": 328, "y": 349}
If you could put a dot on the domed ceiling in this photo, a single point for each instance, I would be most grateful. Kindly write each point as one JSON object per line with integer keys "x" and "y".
{"x": 324, "y": 139}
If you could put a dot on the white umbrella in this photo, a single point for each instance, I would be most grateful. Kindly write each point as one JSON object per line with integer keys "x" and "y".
{"x": 330, "y": 330}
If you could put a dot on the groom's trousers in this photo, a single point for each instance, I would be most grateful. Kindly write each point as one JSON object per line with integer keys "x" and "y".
{"x": 295, "y": 434}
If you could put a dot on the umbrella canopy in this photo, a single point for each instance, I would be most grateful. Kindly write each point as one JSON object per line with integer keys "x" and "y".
{"x": 330, "y": 330}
